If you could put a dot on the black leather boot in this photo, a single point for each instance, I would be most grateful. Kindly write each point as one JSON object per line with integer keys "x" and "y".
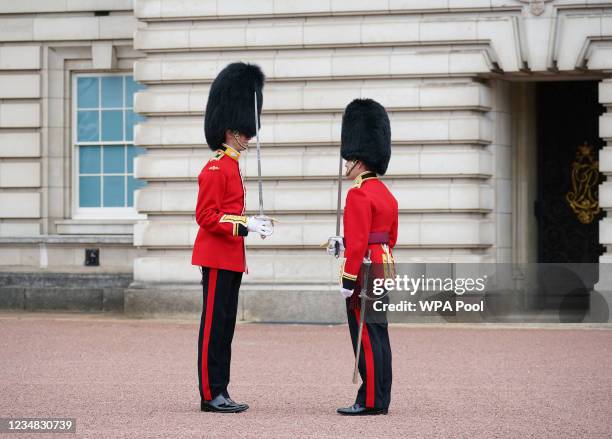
{"x": 359, "y": 410}
{"x": 221, "y": 405}
{"x": 239, "y": 404}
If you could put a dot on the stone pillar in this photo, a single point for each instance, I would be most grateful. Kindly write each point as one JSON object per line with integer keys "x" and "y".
{"x": 20, "y": 142}
{"x": 604, "y": 286}
{"x": 605, "y": 167}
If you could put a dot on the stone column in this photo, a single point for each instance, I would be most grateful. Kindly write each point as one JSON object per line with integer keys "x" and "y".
{"x": 20, "y": 142}
{"x": 604, "y": 286}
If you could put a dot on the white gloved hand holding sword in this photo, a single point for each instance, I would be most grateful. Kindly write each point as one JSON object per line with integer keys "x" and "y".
{"x": 262, "y": 225}
{"x": 335, "y": 246}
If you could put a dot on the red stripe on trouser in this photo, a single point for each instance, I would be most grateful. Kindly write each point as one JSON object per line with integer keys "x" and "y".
{"x": 369, "y": 362}
{"x": 210, "y": 305}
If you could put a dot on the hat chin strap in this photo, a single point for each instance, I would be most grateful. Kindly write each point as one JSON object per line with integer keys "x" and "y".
{"x": 351, "y": 170}
{"x": 242, "y": 145}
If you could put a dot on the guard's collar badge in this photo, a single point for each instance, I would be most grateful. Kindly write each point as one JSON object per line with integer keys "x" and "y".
{"x": 368, "y": 175}
{"x": 230, "y": 152}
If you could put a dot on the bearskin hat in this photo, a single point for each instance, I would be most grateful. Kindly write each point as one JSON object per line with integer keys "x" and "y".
{"x": 366, "y": 134}
{"x": 231, "y": 104}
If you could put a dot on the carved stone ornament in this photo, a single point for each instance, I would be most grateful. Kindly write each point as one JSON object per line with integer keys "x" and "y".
{"x": 536, "y": 7}
{"x": 583, "y": 198}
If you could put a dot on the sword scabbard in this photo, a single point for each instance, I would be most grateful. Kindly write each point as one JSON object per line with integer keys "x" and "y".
{"x": 362, "y": 296}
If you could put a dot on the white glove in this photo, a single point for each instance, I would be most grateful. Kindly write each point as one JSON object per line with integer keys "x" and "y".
{"x": 335, "y": 246}
{"x": 261, "y": 225}
{"x": 346, "y": 293}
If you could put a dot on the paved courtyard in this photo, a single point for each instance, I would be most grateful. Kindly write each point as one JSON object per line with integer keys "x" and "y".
{"x": 137, "y": 378}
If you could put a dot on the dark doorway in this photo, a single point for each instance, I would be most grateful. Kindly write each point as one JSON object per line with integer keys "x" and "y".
{"x": 567, "y": 208}
{"x": 568, "y": 151}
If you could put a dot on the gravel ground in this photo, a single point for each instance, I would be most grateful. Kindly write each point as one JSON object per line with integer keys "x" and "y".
{"x": 137, "y": 378}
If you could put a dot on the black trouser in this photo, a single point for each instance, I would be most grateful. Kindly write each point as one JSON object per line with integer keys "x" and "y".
{"x": 374, "y": 359}
{"x": 217, "y": 324}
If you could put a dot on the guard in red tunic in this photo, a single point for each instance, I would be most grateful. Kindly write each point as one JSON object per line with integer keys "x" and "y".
{"x": 219, "y": 249}
{"x": 370, "y": 229}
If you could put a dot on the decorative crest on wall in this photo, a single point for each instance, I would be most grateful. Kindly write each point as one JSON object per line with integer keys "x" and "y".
{"x": 582, "y": 198}
{"x": 536, "y": 7}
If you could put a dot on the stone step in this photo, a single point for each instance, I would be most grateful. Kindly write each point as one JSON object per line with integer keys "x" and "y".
{"x": 63, "y": 291}
{"x": 64, "y": 280}
{"x": 257, "y": 303}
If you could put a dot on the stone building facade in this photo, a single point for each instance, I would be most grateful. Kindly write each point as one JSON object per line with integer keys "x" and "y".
{"x": 458, "y": 77}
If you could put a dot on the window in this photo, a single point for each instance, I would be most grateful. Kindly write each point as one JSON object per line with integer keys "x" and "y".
{"x": 103, "y": 129}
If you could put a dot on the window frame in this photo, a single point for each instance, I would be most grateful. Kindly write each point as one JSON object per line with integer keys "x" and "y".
{"x": 101, "y": 213}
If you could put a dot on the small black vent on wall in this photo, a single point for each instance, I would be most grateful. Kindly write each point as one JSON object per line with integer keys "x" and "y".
{"x": 101, "y": 13}
{"x": 92, "y": 257}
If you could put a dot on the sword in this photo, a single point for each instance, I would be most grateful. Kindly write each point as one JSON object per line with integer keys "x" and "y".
{"x": 362, "y": 295}
{"x": 339, "y": 205}
{"x": 259, "y": 182}
{"x": 261, "y": 212}
{"x": 338, "y": 213}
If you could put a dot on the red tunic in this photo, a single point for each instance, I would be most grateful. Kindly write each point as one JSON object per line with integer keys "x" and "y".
{"x": 370, "y": 208}
{"x": 220, "y": 214}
